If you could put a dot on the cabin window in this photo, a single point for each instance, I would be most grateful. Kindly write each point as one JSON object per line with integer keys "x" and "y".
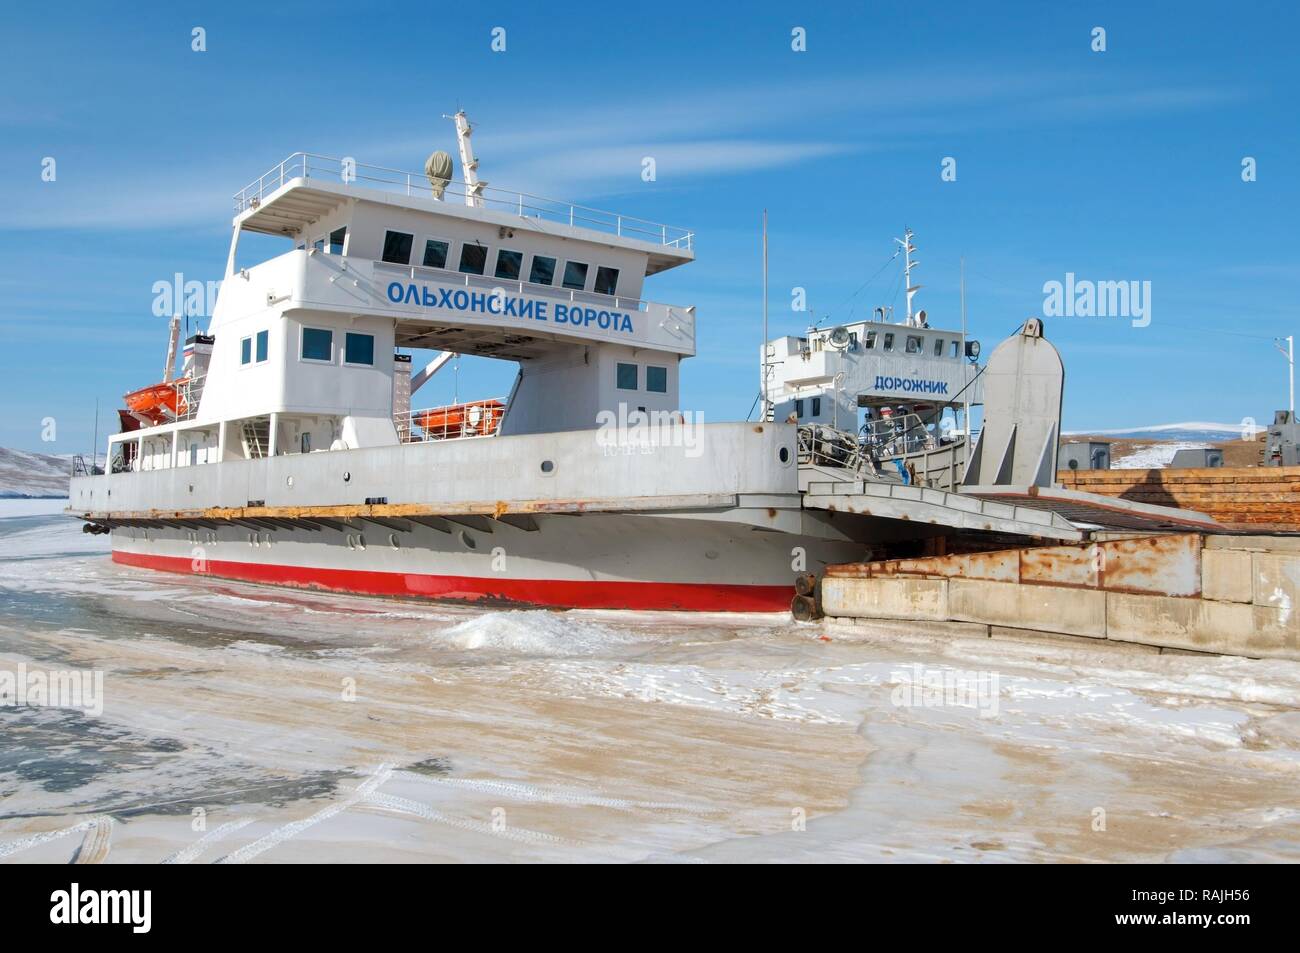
{"x": 319, "y": 244}
{"x": 956, "y": 349}
{"x": 263, "y": 340}
{"x": 656, "y": 379}
{"x": 575, "y": 275}
{"x": 938, "y": 347}
{"x": 246, "y": 351}
{"x": 397, "y": 247}
{"x": 817, "y": 407}
{"x": 435, "y": 253}
{"x": 473, "y": 259}
{"x": 305, "y": 442}
{"x": 543, "y": 272}
{"x": 627, "y": 376}
{"x": 336, "y": 240}
{"x": 318, "y": 345}
{"x": 915, "y": 345}
{"x": 358, "y": 348}
{"x": 889, "y": 341}
{"x": 798, "y": 409}
{"x": 606, "y": 281}
{"x": 509, "y": 264}
{"x": 871, "y": 340}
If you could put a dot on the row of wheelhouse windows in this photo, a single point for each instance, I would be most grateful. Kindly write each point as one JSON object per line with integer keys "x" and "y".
{"x": 508, "y": 265}
{"x": 315, "y": 345}
{"x": 914, "y": 344}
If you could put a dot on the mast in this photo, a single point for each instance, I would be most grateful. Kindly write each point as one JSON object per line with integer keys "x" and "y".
{"x": 965, "y": 386}
{"x": 468, "y": 162}
{"x": 908, "y": 265}
{"x": 762, "y": 361}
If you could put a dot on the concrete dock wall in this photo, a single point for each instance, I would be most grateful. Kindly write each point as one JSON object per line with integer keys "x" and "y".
{"x": 1221, "y": 594}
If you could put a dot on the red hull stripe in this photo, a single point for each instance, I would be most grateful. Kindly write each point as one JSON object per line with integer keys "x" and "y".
{"x": 562, "y": 593}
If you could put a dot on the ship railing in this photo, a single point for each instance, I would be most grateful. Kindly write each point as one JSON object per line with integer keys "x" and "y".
{"x": 476, "y": 418}
{"x": 617, "y": 302}
{"x": 898, "y": 435}
{"x": 837, "y": 450}
{"x": 310, "y": 165}
{"x": 189, "y": 390}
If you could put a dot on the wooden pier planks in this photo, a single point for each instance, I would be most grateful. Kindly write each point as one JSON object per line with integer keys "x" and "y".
{"x": 1238, "y": 497}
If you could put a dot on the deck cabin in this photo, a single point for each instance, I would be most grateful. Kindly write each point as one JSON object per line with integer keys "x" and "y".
{"x": 385, "y": 275}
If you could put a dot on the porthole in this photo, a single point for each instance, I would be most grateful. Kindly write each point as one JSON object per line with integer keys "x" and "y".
{"x": 392, "y": 540}
{"x": 347, "y": 476}
{"x": 288, "y": 481}
{"x": 784, "y": 455}
{"x": 548, "y": 466}
{"x": 468, "y": 540}
{"x": 252, "y": 539}
{"x": 361, "y": 541}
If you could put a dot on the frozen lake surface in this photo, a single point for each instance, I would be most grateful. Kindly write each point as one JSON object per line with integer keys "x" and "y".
{"x": 249, "y": 724}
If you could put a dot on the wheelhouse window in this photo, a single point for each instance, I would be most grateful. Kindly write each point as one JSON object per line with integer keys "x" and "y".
{"x": 435, "y": 253}
{"x": 509, "y": 264}
{"x": 798, "y": 409}
{"x": 397, "y": 247}
{"x": 263, "y": 341}
{"x": 246, "y": 351}
{"x": 915, "y": 345}
{"x": 938, "y": 347}
{"x": 575, "y": 275}
{"x": 473, "y": 259}
{"x": 627, "y": 376}
{"x": 606, "y": 281}
{"x": 318, "y": 345}
{"x": 543, "y": 271}
{"x": 871, "y": 340}
{"x": 358, "y": 348}
{"x": 656, "y": 379}
{"x": 889, "y": 341}
{"x": 816, "y": 406}
{"x": 336, "y": 240}
{"x": 956, "y": 349}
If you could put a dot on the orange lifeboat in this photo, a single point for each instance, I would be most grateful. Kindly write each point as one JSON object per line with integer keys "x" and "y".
{"x": 474, "y": 419}
{"x": 158, "y": 403}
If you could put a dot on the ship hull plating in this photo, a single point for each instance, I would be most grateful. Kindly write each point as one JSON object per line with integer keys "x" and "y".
{"x": 598, "y": 561}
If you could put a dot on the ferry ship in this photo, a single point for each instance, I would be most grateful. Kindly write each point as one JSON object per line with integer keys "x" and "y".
{"x": 287, "y": 451}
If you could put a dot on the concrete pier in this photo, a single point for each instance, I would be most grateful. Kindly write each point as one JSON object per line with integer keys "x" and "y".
{"x": 1227, "y": 595}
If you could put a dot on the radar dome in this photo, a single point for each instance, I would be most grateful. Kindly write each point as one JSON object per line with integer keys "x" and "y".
{"x": 438, "y": 169}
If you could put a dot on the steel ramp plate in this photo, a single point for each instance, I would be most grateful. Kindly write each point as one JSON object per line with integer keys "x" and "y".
{"x": 922, "y": 505}
{"x": 1094, "y": 510}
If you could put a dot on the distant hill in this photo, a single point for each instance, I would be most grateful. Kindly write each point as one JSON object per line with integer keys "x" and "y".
{"x": 1199, "y": 431}
{"x": 27, "y": 474}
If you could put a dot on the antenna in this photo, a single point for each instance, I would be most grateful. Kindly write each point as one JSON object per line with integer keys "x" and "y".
{"x": 468, "y": 162}
{"x": 908, "y": 265}
{"x": 763, "y": 352}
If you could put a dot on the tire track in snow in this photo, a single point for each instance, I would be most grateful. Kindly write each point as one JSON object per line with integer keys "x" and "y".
{"x": 294, "y": 828}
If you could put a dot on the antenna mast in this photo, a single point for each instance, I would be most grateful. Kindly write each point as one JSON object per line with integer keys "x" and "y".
{"x": 908, "y": 265}
{"x": 762, "y": 363}
{"x": 468, "y": 162}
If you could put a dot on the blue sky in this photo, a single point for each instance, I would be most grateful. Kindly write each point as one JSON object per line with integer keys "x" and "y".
{"x": 1122, "y": 165}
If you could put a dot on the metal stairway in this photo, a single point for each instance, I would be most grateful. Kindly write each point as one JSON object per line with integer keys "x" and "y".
{"x": 256, "y": 436}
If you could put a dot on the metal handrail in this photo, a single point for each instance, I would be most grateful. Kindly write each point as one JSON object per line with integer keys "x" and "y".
{"x": 482, "y": 419}
{"x": 523, "y": 204}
